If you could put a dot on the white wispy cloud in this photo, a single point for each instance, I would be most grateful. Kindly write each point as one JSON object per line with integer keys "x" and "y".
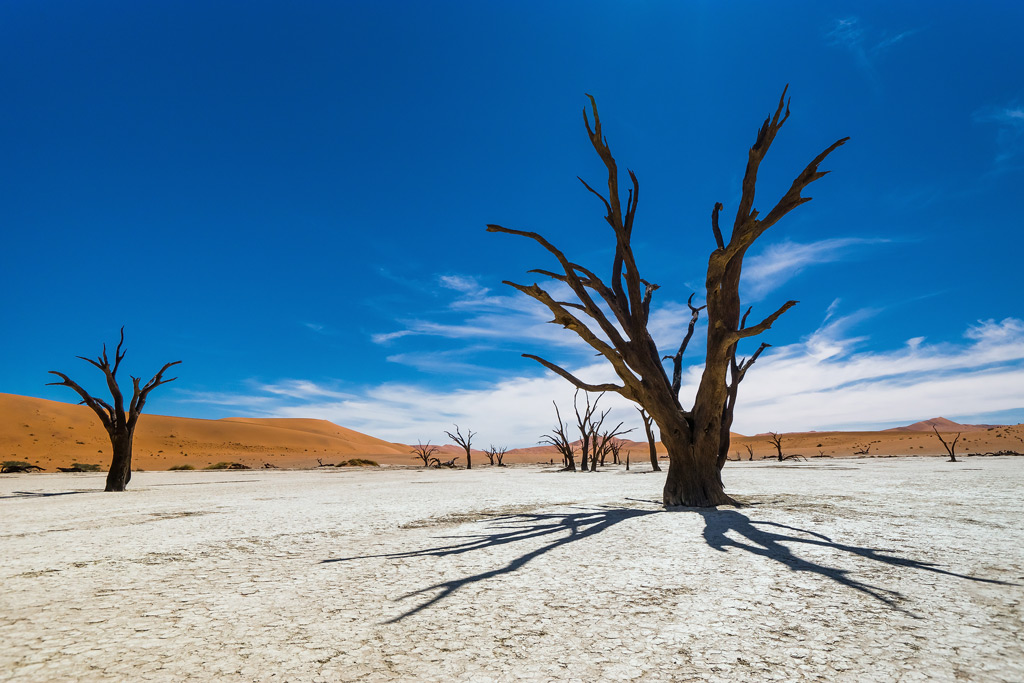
{"x": 819, "y": 383}
{"x": 1009, "y": 120}
{"x": 782, "y": 261}
{"x": 864, "y": 42}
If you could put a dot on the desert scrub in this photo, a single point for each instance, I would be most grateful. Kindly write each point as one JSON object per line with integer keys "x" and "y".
{"x": 85, "y": 467}
{"x": 358, "y": 462}
{"x": 180, "y": 467}
{"x": 227, "y": 466}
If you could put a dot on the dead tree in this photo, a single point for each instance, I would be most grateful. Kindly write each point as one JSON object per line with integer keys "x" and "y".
{"x": 560, "y": 440}
{"x": 651, "y": 443}
{"x": 495, "y": 455}
{"x": 865, "y": 450}
{"x": 585, "y": 425}
{"x": 120, "y": 425}
{"x": 465, "y": 442}
{"x": 692, "y": 436}
{"x": 776, "y": 440}
{"x": 750, "y": 451}
{"x": 950, "y": 447}
{"x": 425, "y": 452}
{"x": 603, "y": 444}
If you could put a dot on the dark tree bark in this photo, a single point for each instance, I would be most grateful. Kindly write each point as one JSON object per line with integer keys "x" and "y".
{"x": 750, "y": 451}
{"x": 559, "y": 438}
{"x": 495, "y": 455}
{"x": 692, "y": 436}
{"x": 950, "y": 447}
{"x": 425, "y": 452}
{"x": 464, "y": 441}
{"x": 120, "y": 426}
{"x": 776, "y": 440}
{"x": 651, "y": 443}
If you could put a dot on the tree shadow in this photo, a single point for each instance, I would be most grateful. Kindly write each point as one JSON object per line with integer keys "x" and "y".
{"x": 762, "y": 538}
{"x": 43, "y": 494}
{"x": 561, "y": 529}
{"x": 755, "y": 539}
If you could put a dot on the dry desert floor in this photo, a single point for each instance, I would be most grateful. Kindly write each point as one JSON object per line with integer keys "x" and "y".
{"x": 894, "y": 569}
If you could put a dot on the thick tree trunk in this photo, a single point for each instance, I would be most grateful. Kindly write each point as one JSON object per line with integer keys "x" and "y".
{"x": 693, "y": 477}
{"x": 121, "y": 464}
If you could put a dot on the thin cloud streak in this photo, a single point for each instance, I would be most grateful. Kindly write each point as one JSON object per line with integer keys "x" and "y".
{"x": 819, "y": 383}
{"x": 780, "y": 262}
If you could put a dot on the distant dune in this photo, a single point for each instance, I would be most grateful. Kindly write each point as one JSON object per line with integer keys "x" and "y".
{"x": 53, "y": 434}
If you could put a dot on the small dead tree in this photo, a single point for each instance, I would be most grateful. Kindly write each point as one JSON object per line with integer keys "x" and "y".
{"x": 607, "y": 444}
{"x": 612, "y": 317}
{"x": 750, "y": 451}
{"x": 464, "y": 441}
{"x": 559, "y": 438}
{"x": 950, "y": 447}
{"x": 120, "y": 425}
{"x": 585, "y": 425}
{"x": 776, "y": 440}
{"x": 865, "y": 450}
{"x": 651, "y": 443}
{"x": 495, "y": 455}
{"x": 425, "y": 452}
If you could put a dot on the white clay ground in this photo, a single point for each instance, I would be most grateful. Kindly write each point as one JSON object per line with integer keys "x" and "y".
{"x": 850, "y": 570}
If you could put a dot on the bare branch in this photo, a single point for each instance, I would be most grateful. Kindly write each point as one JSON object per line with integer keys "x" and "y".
{"x": 677, "y": 359}
{"x": 94, "y": 403}
{"x": 576, "y": 381}
{"x": 714, "y": 225}
{"x": 765, "y": 324}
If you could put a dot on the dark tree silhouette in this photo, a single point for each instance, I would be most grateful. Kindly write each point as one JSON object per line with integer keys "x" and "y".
{"x": 425, "y": 452}
{"x": 750, "y": 451}
{"x": 587, "y": 426}
{"x": 621, "y": 308}
{"x": 776, "y": 440}
{"x": 950, "y": 447}
{"x": 559, "y": 438}
{"x": 651, "y": 443}
{"x": 495, "y": 455}
{"x": 465, "y": 442}
{"x": 120, "y": 425}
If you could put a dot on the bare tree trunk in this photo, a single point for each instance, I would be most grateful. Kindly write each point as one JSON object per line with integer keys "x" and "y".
{"x": 651, "y": 444}
{"x": 121, "y": 465}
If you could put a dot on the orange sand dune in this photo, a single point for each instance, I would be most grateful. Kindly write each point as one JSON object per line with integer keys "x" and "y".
{"x": 53, "y": 434}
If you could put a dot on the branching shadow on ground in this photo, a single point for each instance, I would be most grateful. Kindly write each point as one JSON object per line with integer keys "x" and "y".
{"x": 757, "y": 539}
{"x": 560, "y": 529}
{"x": 43, "y": 494}
{"x": 563, "y": 528}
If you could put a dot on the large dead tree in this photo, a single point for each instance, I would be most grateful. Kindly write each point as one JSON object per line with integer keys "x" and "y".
{"x": 464, "y": 441}
{"x": 612, "y": 317}
{"x": 426, "y": 453}
{"x": 120, "y": 425}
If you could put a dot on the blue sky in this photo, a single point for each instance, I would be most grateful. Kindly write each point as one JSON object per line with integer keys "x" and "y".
{"x": 291, "y": 198}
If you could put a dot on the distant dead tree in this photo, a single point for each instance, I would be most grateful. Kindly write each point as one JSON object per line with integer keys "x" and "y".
{"x": 651, "y": 443}
{"x": 425, "y": 452}
{"x": 607, "y": 444}
{"x": 559, "y": 438}
{"x": 750, "y": 451}
{"x": 120, "y": 426}
{"x": 950, "y": 447}
{"x": 465, "y": 442}
{"x": 621, "y": 310}
{"x": 495, "y": 455}
{"x": 586, "y": 426}
{"x": 776, "y": 440}
{"x": 865, "y": 450}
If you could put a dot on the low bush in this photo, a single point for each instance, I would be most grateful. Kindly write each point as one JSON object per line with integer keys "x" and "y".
{"x": 181, "y": 467}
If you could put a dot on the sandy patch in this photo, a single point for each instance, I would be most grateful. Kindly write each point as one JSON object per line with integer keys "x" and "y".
{"x": 890, "y": 569}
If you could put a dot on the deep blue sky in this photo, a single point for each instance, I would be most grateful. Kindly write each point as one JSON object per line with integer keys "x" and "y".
{"x": 291, "y": 198}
